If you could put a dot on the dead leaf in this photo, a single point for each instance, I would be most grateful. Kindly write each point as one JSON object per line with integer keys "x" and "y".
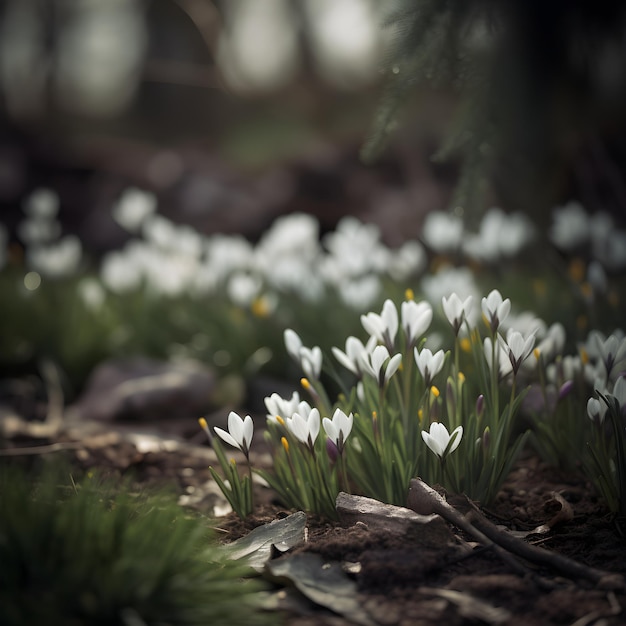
{"x": 258, "y": 545}
{"x": 324, "y": 583}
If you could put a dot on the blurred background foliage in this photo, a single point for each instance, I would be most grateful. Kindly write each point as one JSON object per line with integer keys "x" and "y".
{"x": 236, "y": 112}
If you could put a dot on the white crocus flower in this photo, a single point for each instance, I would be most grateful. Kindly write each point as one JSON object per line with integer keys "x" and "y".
{"x": 311, "y": 362}
{"x": 456, "y": 310}
{"x": 495, "y": 309}
{"x": 611, "y": 351}
{"x": 429, "y": 364}
{"x": 517, "y": 347}
{"x": 501, "y": 357}
{"x": 305, "y": 428}
{"x": 309, "y": 359}
{"x": 281, "y": 407}
{"x": 549, "y": 347}
{"x": 239, "y": 433}
{"x": 384, "y": 326}
{"x": 338, "y": 428}
{"x": 596, "y": 410}
{"x": 374, "y": 364}
{"x": 440, "y": 441}
{"x": 355, "y": 352}
{"x": 415, "y": 318}
{"x": 619, "y": 391}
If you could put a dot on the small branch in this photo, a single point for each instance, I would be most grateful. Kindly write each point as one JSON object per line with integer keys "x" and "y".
{"x": 535, "y": 554}
{"x": 424, "y": 499}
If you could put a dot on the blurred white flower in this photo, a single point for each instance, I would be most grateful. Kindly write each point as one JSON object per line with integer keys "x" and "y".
{"x": 91, "y": 293}
{"x": 495, "y": 309}
{"x": 456, "y": 310}
{"x": 56, "y": 260}
{"x": 41, "y": 225}
{"x": 442, "y": 232}
{"x": 611, "y": 249}
{"x": 408, "y": 260}
{"x": 384, "y": 326}
{"x": 570, "y": 226}
{"x": 549, "y": 346}
{"x": 359, "y": 293}
{"x": 526, "y": 323}
{"x": 122, "y": 271}
{"x": 611, "y": 351}
{"x": 567, "y": 367}
{"x": 498, "y": 354}
{"x": 42, "y": 204}
{"x": 596, "y": 276}
{"x": 170, "y": 274}
{"x": 596, "y": 410}
{"x": 500, "y": 235}
{"x": 225, "y": 255}
{"x": 415, "y": 320}
{"x": 429, "y": 364}
{"x": 309, "y": 359}
{"x": 242, "y": 288}
{"x": 354, "y": 248}
{"x": 167, "y": 236}
{"x": 133, "y": 208}
{"x": 296, "y": 232}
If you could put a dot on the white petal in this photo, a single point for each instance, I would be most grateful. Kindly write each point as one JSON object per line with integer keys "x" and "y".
{"x": 457, "y": 441}
{"x": 222, "y": 434}
{"x": 248, "y": 431}
{"x": 393, "y": 365}
{"x": 235, "y": 427}
{"x": 331, "y": 430}
{"x": 293, "y": 343}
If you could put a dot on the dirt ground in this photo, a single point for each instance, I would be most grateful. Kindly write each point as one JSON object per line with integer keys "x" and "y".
{"x": 398, "y": 580}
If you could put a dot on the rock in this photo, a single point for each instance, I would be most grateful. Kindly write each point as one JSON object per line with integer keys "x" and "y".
{"x": 142, "y": 389}
{"x": 426, "y": 530}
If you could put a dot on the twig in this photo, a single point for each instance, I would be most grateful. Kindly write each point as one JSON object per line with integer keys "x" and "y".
{"x": 566, "y": 566}
{"x": 424, "y": 499}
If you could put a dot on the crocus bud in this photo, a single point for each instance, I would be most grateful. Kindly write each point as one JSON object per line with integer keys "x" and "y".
{"x": 450, "y": 397}
{"x": 480, "y": 405}
{"x": 331, "y": 450}
{"x": 565, "y": 389}
{"x": 486, "y": 439}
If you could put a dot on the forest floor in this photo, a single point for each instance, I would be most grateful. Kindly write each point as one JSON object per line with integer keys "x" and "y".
{"x": 397, "y": 578}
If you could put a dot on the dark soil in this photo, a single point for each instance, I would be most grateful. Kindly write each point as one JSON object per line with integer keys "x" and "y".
{"x": 398, "y": 582}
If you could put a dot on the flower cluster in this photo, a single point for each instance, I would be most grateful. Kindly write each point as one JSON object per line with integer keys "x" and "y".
{"x": 405, "y": 410}
{"x": 170, "y": 259}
